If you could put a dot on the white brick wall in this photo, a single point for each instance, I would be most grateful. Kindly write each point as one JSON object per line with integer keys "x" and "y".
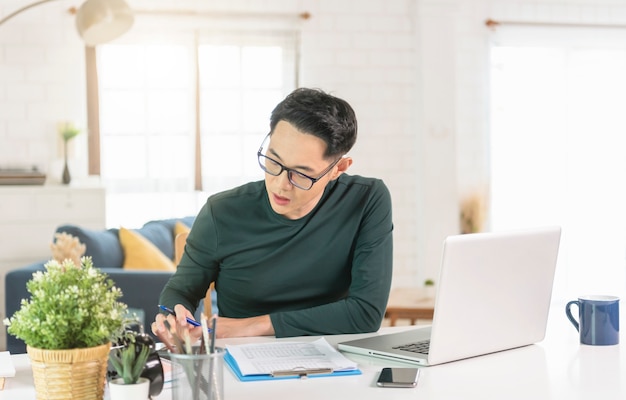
{"x": 416, "y": 72}
{"x": 364, "y": 52}
{"x": 41, "y": 83}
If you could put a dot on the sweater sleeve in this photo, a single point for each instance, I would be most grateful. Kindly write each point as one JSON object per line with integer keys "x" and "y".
{"x": 198, "y": 265}
{"x": 362, "y": 310}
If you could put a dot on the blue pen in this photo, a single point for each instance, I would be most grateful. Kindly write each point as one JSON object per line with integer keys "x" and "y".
{"x": 191, "y": 321}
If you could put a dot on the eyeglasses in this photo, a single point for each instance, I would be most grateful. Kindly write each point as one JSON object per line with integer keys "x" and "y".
{"x": 298, "y": 179}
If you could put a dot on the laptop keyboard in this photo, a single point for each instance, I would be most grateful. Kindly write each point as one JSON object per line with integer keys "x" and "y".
{"x": 417, "y": 347}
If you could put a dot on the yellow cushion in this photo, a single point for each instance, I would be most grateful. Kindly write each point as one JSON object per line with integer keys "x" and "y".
{"x": 140, "y": 253}
{"x": 180, "y": 227}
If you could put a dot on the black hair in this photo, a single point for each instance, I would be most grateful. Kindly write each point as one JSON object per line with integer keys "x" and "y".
{"x": 320, "y": 114}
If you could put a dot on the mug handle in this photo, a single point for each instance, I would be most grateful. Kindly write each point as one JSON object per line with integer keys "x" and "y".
{"x": 568, "y": 312}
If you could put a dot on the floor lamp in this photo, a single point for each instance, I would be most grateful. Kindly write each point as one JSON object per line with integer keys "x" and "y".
{"x": 97, "y": 21}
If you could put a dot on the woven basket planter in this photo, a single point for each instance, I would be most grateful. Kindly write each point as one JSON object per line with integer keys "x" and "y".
{"x": 74, "y": 374}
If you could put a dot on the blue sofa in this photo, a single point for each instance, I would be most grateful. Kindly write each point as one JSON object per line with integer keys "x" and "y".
{"x": 140, "y": 288}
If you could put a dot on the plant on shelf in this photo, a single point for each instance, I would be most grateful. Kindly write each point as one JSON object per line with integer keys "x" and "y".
{"x": 68, "y": 324}
{"x": 429, "y": 288}
{"x": 68, "y": 131}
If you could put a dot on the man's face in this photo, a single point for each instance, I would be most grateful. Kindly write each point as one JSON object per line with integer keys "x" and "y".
{"x": 303, "y": 153}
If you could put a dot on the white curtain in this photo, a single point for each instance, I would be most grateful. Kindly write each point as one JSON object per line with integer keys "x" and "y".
{"x": 558, "y": 138}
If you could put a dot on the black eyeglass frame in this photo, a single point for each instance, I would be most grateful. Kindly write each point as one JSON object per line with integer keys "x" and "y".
{"x": 291, "y": 170}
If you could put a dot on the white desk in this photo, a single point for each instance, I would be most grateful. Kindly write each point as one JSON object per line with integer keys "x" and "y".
{"x": 557, "y": 368}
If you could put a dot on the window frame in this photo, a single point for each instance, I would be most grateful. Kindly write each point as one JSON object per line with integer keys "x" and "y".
{"x": 288, "y": 39}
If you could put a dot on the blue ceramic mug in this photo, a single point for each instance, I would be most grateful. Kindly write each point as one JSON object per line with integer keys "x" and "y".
{"x": 598, "y": 319}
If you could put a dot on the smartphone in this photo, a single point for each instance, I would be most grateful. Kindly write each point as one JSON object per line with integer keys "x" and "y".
{"x": 398, "y": 377}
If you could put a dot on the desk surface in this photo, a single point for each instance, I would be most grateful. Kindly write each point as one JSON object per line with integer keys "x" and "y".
{"x": 556, "y": 368}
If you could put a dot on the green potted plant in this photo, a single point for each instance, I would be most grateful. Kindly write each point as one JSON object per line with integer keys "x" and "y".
{"x": 429, "y": 288}
{"x": 68, "y": 131}
{"x": 67, "y": 325}
{"x": 129, "y": 360}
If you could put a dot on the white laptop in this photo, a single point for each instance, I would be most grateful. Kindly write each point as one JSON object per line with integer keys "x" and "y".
{"x": 493, "y": 294}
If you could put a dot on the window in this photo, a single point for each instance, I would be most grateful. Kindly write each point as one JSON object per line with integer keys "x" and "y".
{"x": 557, "y": 147}
{"x": 241, "y": 80}
{"x": 164, "y": 102}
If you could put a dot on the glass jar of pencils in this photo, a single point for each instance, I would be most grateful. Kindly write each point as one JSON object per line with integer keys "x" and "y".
{"x": 198, "y": 375}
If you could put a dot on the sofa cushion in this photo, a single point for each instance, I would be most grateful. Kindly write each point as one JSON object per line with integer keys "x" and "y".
{"x": 140, "y": 253}
{"x": 103, "y": 246}
{"x": 180, "y": 227}
{"x": 161, "y": 234}
{"x": 170, "y": 222}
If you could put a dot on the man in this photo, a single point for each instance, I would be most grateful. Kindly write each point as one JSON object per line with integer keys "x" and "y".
{"x": 307, "y": 251}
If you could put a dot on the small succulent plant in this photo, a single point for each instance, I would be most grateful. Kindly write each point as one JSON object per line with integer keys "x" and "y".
{"x": 129, "y": 360}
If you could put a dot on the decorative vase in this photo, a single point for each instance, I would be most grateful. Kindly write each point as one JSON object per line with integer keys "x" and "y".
{"x": 73, "y": 374}
{"x": 118, "y": 390}
{"x": 66, "y": 171}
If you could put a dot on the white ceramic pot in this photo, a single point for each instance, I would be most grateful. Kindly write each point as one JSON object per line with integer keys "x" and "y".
{"x": 120, "y": 391}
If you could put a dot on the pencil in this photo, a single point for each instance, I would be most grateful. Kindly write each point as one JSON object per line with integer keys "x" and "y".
{"x": 205, "y": 332}
{"x": 213, "y": 324}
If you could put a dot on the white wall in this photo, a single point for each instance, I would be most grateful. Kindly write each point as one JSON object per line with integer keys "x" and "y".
{"x": 414, "y": 70}
{"x": 365, "y": 52}
{"x": 41, "y": 82}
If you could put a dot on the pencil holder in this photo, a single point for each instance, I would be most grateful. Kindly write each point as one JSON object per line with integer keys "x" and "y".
{"x": 198, "y": 376}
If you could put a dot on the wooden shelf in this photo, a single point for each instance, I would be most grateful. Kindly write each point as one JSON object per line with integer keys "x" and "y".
{"x": 409, "y": 303}
{"x": 18, "y": 177}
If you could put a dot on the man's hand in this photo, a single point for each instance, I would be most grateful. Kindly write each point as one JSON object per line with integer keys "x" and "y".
{"x": 170, "y": 329}
{"x": 175, "y": 331}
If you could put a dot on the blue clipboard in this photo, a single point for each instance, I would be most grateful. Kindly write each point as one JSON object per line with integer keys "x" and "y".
{"x": 232, "y": 364}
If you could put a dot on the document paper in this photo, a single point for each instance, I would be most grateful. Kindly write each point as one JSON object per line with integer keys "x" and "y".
{"x": 268, "y": 358}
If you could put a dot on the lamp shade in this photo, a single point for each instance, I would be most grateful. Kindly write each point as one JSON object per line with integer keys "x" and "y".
{"x": 100, "y": 21}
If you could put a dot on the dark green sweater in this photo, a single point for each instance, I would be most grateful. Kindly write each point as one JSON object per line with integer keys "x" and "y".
{"x": 326, "y": 273}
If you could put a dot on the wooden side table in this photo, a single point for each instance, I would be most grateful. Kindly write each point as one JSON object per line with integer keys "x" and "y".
{"x": 409, "y": 303}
